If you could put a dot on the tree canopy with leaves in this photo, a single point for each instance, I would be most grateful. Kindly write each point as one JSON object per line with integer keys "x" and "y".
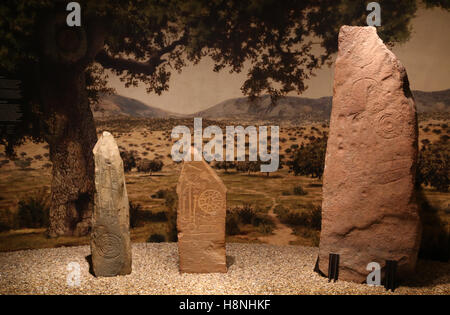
{"x": 62, "y": 68}
{"x": 309, "y": 159}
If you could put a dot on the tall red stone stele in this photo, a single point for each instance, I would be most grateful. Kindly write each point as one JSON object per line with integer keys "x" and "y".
{"x": 201, "y": 219}
{"x": 369, "y": 212}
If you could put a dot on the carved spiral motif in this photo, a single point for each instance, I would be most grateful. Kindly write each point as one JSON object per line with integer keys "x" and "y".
{"x": 210, "y": 200}
{"x": 389, "y": 124}
{"x": 108, "y": 245}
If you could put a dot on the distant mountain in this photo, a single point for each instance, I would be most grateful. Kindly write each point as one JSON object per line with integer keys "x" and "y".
{"x": 118, "y": 105}
{"x": 294, "y": 108}
{"x": 288, "y": 107}
{"x": 437, "y": 101}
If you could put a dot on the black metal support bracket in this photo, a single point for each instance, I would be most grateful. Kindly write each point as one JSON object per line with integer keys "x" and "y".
{"x": 390, "y": 281}
{"x": 333, "y": 267}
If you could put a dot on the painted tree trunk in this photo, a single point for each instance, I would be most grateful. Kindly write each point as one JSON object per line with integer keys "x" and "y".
{"x": 68, "y": 120}
{"x": 71, "y": 142}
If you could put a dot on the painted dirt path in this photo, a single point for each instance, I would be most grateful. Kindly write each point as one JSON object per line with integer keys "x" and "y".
{"x": 282, "y": 234}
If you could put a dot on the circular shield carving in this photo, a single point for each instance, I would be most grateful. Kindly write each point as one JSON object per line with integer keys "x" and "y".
{"x": 108, "y": 245}
{"x": 389, "y": 124}
{"x": 210, "y": 200}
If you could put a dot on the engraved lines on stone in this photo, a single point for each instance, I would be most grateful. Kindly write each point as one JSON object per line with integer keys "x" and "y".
{"x": 384, "y": 172}
{"x": 391, "y": 171}
{"x": 364, "y": 95}
{"x": 210, "y": 200}
{"x": 189, "y": 202}
{"x": 195, "y": 175}
{"x": 207, "y": 202}
{"x": 354, "y": 51}
{"x": 110, "y": 189}
{"x": 107, "y": 207}
{"x": 389, "y": 124}
{"x": 197, "y": 199}
{"x": 107, "y": 244}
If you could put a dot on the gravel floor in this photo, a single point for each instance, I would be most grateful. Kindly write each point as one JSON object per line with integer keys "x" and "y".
{"x": 254, "y": 269}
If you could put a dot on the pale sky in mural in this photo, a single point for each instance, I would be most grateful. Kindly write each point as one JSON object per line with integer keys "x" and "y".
{"x": 425, "y": 56}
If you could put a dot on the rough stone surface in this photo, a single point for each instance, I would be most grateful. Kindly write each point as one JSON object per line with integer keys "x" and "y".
{"x": 110, "y": 237}
{"x": 369, "y": 212}
{"x": 201, "y": 219}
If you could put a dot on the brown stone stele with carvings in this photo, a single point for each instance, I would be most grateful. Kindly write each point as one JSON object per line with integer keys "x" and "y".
{"x": 201, "y": 219}
{"x": 369, "y": 209}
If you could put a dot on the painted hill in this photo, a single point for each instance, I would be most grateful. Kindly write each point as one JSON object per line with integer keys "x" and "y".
{"x": 300, "y": 107}
{"x": 118, "y": 105}
{"x": 287, "y": 108}
{"x": 437, "y": 101}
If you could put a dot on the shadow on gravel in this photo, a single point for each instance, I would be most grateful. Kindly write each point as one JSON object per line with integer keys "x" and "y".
{"x": 89, "y": 260}
{"x": 230, "y": 261}
{"x": 429, "y": 273}
{"x": 435, "y": 244}
{"x": 433, "y": 267}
